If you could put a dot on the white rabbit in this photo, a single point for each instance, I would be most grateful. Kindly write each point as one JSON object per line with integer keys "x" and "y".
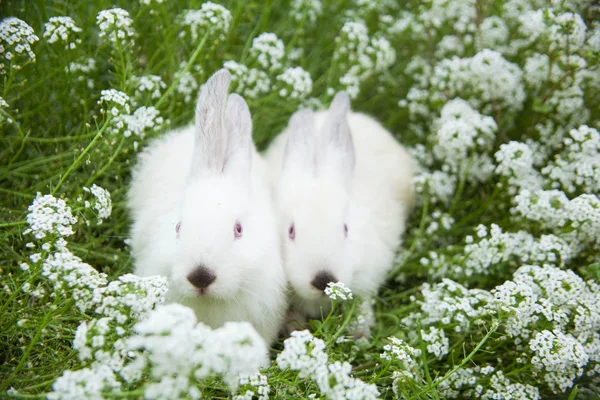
{"x": 203, "y": 216}
{"x": 342, "y": 187}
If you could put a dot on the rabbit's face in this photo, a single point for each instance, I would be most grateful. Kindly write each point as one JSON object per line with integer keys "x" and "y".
{"x": 216, "y": 239}
{"x": 217, "y": 236}
{"x": 314, "y": 230}
{"x": 313, "y": 197}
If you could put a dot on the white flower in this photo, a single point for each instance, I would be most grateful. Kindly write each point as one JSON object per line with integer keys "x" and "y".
{"x": 115, "y": 25}
{"x": 462, "y": 138}
{"x": 297, "y": 83}
{"x": 211, "y": 18}
{"x": 114, "y": 101}
{"x": 142, "y": 120}
{"x": 439, "y": 185}
{"x": 151, "y": 84}
{"x": 306, "y": 10}
{"x": 337, "y": 290}
{"x": 103, "y": 203}
{"x": 268, "y": 50}
{"x": 577, "y": 167}
{"x": 253, "y": 385}
{"x": 59, "y": 29}
{"x": 16, "y": 38}
{"x": 302, "y": 352}
{"x": 515, "y": 163}
{"x": 177, "y": 345}
{"x": 88, "y": 383}
{"x": 249, "y": 82}
{"x": 68, "y": 273}
{"x": 438, "y": 343}
{"x": 560, "y": 356}
{"x": 49, "y": 215}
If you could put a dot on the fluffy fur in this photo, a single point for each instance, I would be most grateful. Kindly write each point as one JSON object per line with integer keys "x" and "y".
{"x": 336, "y": 168}
{"x": 208, "y": 177}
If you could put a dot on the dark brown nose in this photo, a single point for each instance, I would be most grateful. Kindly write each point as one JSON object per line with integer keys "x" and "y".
{"x": 201, "y": 277}
{"x": 322, "y": 279}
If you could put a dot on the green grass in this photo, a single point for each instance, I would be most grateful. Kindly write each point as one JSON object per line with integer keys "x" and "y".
{"x": 54, "y": 140}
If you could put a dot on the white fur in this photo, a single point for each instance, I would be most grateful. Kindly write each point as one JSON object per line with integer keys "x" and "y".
{"x": 208, "y": 176}
{"x": 360, "y": 176}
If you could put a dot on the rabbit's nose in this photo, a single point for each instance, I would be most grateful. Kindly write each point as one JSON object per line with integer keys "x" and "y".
{"x": 322, "y": 279}
{"x": 201, "y": 277}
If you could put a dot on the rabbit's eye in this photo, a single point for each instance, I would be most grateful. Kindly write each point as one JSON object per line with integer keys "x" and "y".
{"x": 292, "y": 232}
{"x": 345, "y": 230}
{"x": 237, "y": 230}
{"x": 177, "y": 227}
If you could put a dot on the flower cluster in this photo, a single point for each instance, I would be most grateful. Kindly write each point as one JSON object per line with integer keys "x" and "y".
{"x": 171, "y": 347}
{"x": 268, "y": 50}
{"x": 211, "y": 19}
{"x": 116, "y": 26}
{"x": 304, "y": 353}
{"x": 16, "y": 38}
{"x": 101, "y": 203}
{"x": 49, "y": 216}
{"x": 148, "y": 85}
{"x": 85, "y": 69}
{"x": 306, "y": 10}
{"x": 59, "y": 29}
{"x": 337, "y": 290}
{"x": 143, "y": 120}
{"x": 359, "y": 56}
{"x": 295, "y": 83}
{"x": 515, "y": 164}
{"x": 253, "y": 386}
{"x": 249, "y": 82}
{"x": 116, "y": 100}
{"x": 577, "y": 167}
{"x": 404, "y": 359}
{"x": 188, "y": 85}
{"x": 267, "y": 53}
{"x": 463, "y": 138}
{"x": 487, "y": 81}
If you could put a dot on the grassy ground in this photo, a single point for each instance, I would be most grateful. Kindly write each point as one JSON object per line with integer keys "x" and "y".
{"x": 57, "y": 139}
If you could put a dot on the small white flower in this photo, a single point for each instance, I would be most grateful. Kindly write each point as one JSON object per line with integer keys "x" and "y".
{"x": 268, "y": 50}
{"x": 114, "y": 99}
{"x": 337, "y": 290}
{"x": 59, "y": 29}
{"x": 16, "y": 36}
{"x": 49, "y": 215}
{"x": 298, "y": 82}
{"x": 211, "y": 18}
{"x": 116, "y": 25}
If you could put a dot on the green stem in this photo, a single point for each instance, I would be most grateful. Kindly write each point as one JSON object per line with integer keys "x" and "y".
{"x": 459, "y": 366}
{"x": 35, "y": 339}
{"x": 83, "y": 153}
{"x": 186, "y": 69}
{"x": 10, "y": 224}
{"x": 110, "y": 161}
{"x": 344, "y": 324}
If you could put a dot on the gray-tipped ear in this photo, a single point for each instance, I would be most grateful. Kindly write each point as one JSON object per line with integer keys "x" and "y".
{"x": 210, "y": 139}
{"x": 336, "y": 139}
{"x": 301, "y": 147}
{"x": 238, "y": 154}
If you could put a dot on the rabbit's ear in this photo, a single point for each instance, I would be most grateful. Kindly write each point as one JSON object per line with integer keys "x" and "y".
{"x": 337, "y": 150}
{"x": 238, "y": 123}
{"x": 300, "y": 152}
{"x": 210, "y": 139}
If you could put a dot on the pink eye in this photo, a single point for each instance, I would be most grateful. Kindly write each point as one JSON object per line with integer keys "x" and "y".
{"x": 177, "y": 227}
{"x": 345, "y": 230}
{"x": 292, "y": 232}
{"x": 237, "y": 230}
